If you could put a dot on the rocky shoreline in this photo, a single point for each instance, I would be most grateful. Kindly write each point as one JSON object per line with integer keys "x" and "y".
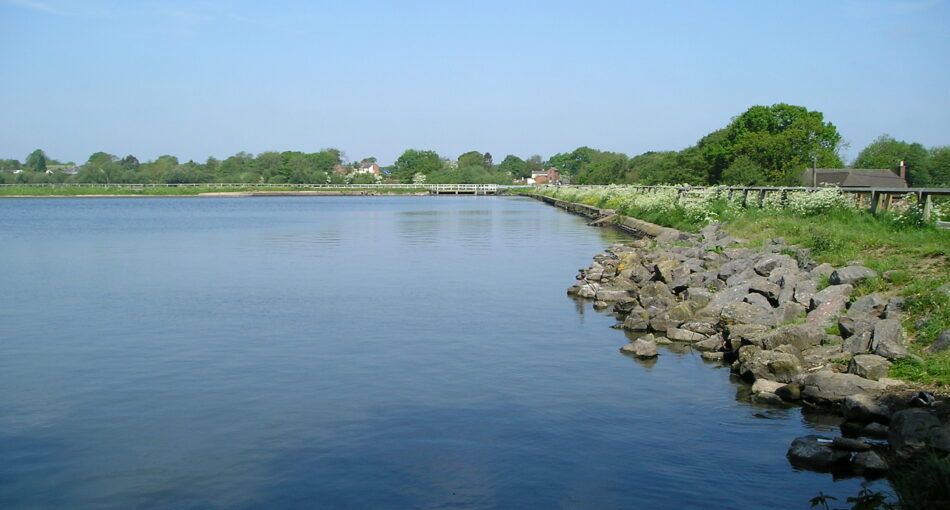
{"x": 763, "y": 312}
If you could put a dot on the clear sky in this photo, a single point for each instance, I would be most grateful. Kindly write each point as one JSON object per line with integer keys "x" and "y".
{"x": 373, "y": 78}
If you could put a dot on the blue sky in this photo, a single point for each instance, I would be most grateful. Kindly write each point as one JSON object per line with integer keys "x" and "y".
{"x": 373, "y": 78}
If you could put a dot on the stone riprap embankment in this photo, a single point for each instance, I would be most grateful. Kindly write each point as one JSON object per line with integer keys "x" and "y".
{"x": 793, "y": 329}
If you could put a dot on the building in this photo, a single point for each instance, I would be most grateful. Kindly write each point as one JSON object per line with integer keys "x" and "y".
{"x": 368, "y": 167}
{"x": 546, "y": 176}
{"x": 854, "y": 177}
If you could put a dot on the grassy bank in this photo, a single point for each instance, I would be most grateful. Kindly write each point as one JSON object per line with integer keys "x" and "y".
{"x": 49, "y": 191}
{"x": 915, "y": 254}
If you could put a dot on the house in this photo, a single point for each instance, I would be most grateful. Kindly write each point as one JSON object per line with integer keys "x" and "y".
{"x": 546, "y": 176}
{"x": 854, "y": 177}
{"x": 368, "y": 167}
{"x": 340, "y": 169}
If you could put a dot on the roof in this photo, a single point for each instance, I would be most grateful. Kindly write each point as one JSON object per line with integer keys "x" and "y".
{"x": 855, "y": 178}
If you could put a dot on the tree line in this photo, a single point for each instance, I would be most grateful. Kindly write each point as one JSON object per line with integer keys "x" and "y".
{"x": 765, "y": 145}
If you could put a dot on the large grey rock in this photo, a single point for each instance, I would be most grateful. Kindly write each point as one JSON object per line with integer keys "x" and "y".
{"x": 701, "y": 326}
{"x": 871, "y": 305}
{"x": 722, "y": 298}
{"x": 942, "y": 342}
{"x": 914, "y": 430}
{"x": 744, "y": 334}
{"x": 791, "y": 392}
{"x": 801, "y": 336}
{"x": 815, "y": 453}
{"x": 755, "y": 363}
{"x": 805, "y": 290}
{"x": 822, "y": 270}
{"x": 745, "y": 313}
{"x": 757, "y": 300}
{"x": 656, "y": 294}
{"x": 863, "y": 408}
{"x": 789, "y": 311}
{"x": 823, "y": 354}
{"x": 697, "y": 297}
{"x": 637, "y": 320}
{"x": 712, "y": 344}
{"x": 641, "y": 348}
{"x": 851, "y": 274}
{"x": 743, "y": 277}
{"x": 854, "y": 323}
{"x": 830, "y": 292}
{"x": 770, "y": 290}
{"x": 869, "y": 366}
{"x": 858, "y": 344}
{"x": 826, "y": 312}
{"x": 612, "y": 295}
{"x": 765, "y": 266}
{"x": 683, "y": 335}
{"x": 869, "y": 464}
{"x": 589, "y": 290}
{"x": 766, "y": 386}
{"x": 888, "y": 339}
{"x": 826, "y": 387}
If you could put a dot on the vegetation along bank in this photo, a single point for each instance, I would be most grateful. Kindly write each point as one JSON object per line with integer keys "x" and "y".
{"x": 811, "y": 300}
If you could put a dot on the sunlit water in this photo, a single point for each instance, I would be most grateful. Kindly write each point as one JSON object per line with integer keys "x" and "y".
{"x": 344, "y": 352}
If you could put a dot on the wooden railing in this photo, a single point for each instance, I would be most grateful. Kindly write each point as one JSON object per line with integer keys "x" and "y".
{"x": 876, "y": 199}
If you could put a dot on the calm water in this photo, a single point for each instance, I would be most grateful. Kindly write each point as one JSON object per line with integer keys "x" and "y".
{"x": 377, "y": 352}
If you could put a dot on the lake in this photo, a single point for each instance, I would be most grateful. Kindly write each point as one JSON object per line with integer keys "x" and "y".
{"x": 351, "y": 352}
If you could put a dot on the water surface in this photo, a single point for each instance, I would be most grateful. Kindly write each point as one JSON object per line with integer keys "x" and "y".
{"x": 349, "y": 352}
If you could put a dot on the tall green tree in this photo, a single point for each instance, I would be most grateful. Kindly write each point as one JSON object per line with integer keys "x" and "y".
{"x": 37, "y": 161}
{"x": 471, "y": 158}
{"x": 886, "y": 152}
{"x": 783, "y": 139}
{"x": 414, "y": 161}
{"x": 514, "y": 166}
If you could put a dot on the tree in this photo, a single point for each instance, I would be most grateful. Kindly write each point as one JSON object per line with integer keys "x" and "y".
{"x": 783, "y": 139}
{"x": 940, "y": 166}
{"x": 886, "y": 152}
{"x": 36, "y": 161}
{"x": 471, "y": 158}
{"x": 487, "y": 162}
{"x": 129, "y": 162}
{"x": 514, "y": 166}
{"x": 572, "y": 163}
{"x": 743, "y": 172}
{"x": 414, "y": 161}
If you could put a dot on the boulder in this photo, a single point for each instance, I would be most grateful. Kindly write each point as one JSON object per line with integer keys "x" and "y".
{"x": 854, "y": 323}
{"x": 826, "y": 387}
{"x": 871, "y": 305}
{"x": 815, "y": 453}
{"x": 822, "y": 270}
{"x": 612, "y": 295}
{"x": 701, "y": 326}
{"x": 766, "y": 386}
{"x": 789, "y": 311}
{"x": 755, "y": 363}
{"x": 745, "y": 313}
{"x": 801, "y": 336}
{"x": 683, "y": 335}
{"x": 697, "y": 297}
{"x": 825, "y": 313}
{"x": 770, "y": 290}
{"x": 757, "y": 300}
{"x": 915, "y": 430}
{"x": 830, "y": 292}
{"x": 888, "y": 339}
{"x": 589, "y": 291}
{"x": 823, "y": 354}
{"x": 858, "y": 344}
{"x": 875, "y": 430}
{"x": 805, "y": 290}
{"x": 851, "y": 274}
{"x": 765, "y": 266}
{"x": 712, "y": 356}
{"x": 863, "y": 408}
{"x": 710, "y": 344}
{"x": 641, "y": 348}
{"x": 869, "y": 366}
{"x": 942, "y": 342}
{"x": 637, "y": 320}
{"x": 791, "y": 392}
{"x": 768, "y": 399}
{"x": 869, "y": 464}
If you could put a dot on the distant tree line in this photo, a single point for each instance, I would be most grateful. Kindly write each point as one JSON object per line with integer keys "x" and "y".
{"x": 763, "y": 145}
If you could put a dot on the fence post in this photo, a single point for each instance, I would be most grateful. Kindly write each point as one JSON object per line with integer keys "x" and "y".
{"x": 927, "y": 204}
